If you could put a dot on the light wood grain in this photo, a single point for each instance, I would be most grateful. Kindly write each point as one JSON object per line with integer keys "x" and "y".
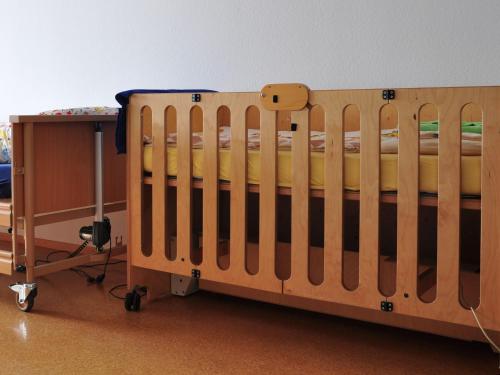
{"x": 210, "y": 188}
{"x": 284, "y": 96}
{"x": 300, "y": 201}
{"x": 408, "y": 195}
{"x": 160, "y": 204}
{"x": 238, "y": 197}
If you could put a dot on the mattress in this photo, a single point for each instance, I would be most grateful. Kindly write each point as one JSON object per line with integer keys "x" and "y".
{"x": 471, "y": 169}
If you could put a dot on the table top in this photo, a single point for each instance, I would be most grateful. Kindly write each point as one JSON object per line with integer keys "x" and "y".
{"x": 61, "y": 118}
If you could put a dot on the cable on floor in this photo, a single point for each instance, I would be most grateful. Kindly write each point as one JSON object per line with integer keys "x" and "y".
{"x": 111, "y": 291}
{"x": 494, "y": 346}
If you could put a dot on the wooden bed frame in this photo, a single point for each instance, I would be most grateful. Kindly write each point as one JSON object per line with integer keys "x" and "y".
{"x": 164, "y": 213}
{"x": 53, "y": 181}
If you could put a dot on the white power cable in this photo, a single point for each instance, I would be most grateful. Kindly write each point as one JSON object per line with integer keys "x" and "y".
{"x": 494, "y": 346}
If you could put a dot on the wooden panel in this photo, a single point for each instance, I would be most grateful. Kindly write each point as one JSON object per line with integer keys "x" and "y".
{"x": 369, "y": 195}
{"x": 160, "y": 222}
{"x": 489, "y": 308}
{"x": 210, "y": 187}
{"x": 448, "y": 241}
{"x": 284, "y": 96}
{"x": 238, "y": 209}
{"x": 114, "y": 167}
{"x": 184, "y": 189}
{"x": 67, "y": 149}
{"x": 334, "y": 193}
{"x": 408, "y": 195}
{"x": 300, "y": 200}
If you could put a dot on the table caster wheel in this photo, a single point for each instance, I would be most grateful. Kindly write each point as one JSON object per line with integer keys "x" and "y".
{"x": 133, "y": 301}
{"x": 25, "y": 295}
{"x": 27, "y": 305}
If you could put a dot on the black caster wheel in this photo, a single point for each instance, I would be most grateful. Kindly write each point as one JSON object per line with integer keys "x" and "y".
{"x": 28, "y": 303}
{"x": 133, "y": 301}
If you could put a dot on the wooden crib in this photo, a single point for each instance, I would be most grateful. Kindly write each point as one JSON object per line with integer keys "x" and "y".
{"x": 288, "y": 244}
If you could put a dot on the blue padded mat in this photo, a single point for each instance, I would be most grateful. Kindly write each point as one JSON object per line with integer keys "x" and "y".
{"x": 5, "y": 176}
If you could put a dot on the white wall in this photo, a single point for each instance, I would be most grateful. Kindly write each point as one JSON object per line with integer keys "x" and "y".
{"x": 60, "y": 53}
{"x": 70, "y": 53}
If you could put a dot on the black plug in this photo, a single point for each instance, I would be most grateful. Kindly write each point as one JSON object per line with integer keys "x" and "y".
{"x": 100, "y": 278}
{"x": 96, "y": 280}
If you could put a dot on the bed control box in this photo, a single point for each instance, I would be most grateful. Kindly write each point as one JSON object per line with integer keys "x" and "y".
{"x": 284, "y": 96}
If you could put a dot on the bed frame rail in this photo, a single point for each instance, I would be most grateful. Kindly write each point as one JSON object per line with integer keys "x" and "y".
{"x": 168, "y": 108}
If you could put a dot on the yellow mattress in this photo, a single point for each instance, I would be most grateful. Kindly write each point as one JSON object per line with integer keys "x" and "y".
{"x": 471, "y": 169}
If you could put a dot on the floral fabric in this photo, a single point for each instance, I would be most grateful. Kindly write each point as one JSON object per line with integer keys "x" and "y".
{"x": 5, "y": 143}
{"x": 81, "y": 111}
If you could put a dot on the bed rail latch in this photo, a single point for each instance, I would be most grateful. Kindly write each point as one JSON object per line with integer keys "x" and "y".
{"x": 284, "y": 96}
{"x": 196, "y": 98}
{"x": 386, "y": 306}
{"x": 388, "y": 94}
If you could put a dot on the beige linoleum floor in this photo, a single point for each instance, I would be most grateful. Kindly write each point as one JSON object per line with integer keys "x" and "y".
{"x": 79, "y": 329}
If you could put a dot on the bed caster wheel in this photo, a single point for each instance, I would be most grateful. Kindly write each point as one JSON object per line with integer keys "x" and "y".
{"x": 133, "y": 301}
{"x": 25, "y": 295}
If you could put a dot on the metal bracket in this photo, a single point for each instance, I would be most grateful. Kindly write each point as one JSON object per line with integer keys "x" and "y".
{"x": 195, "y": 274}
{"x": 386, "y": 306}
{"x": 183, "y": 285}
{"x": 23, "y": 290}
{"x": 388, "y": 94}
{"x": 195, "y": 98}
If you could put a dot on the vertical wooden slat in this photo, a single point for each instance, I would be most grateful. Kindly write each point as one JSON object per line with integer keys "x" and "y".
{"x": 29, "y": 201}
{"x": 490, "y": 212}
{"x": 300, "y": 198}
{"x": 238, "y": 209}
{"x": 369, "y": 195}
{"x": 210, "y": 187}
{"x": 184, "y": 184}
{"x": 135, "y": 186}
{"x": 159, "y": 199}
{"x": 448, "y": 237}
{"x": 408, "y": 193}
{"x": 334, "y": 194}
{"x": 267, "y": 194}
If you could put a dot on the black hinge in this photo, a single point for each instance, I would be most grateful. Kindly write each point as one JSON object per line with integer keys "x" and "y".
{"x": 195, "y": 98}
{"x": 388, "y": 94}
{"x": 386, "y": 306}
{"x": 275, "y": 98}
{"x": 196, "y": 274}
{"x": 293, "y": 127}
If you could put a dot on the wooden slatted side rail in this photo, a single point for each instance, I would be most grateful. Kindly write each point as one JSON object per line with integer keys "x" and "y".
{"x": 236, "y": 273}
{"x": 449, "y": 102}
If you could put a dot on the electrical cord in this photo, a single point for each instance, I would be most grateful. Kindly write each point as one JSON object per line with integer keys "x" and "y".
{"x": 78, "y": 270}
{"x": 111, "y": 291}
{"x": 494, "y": 346}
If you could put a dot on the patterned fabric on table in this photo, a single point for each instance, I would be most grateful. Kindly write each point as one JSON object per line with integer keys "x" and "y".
{"x": 81, "y": 111}
{"x": 5, "y": 143}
